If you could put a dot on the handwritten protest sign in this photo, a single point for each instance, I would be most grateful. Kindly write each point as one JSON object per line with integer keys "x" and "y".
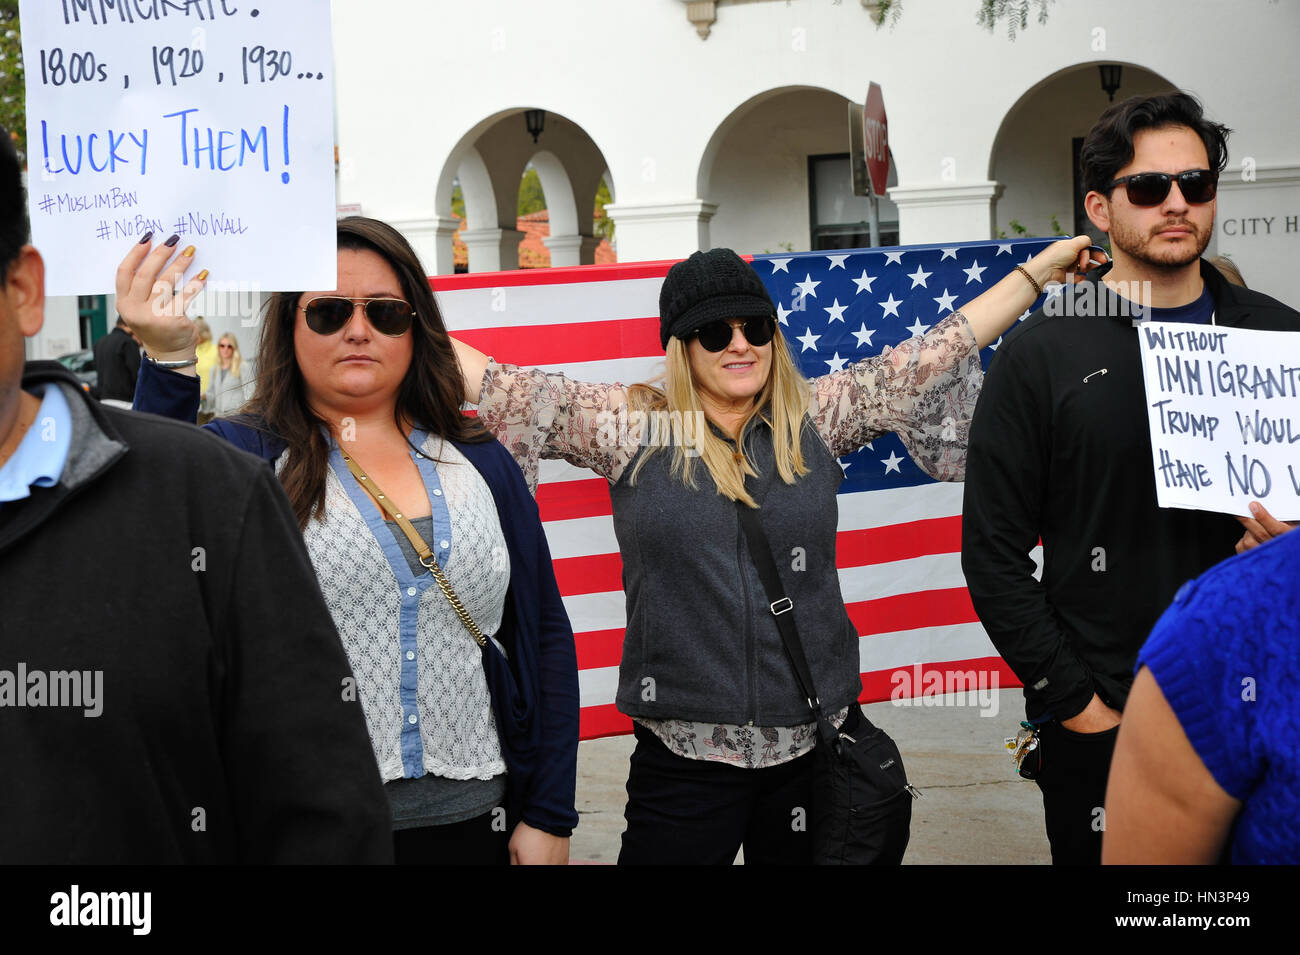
{"x": 1224, "y": 409}
{"x": 211, "y": 119}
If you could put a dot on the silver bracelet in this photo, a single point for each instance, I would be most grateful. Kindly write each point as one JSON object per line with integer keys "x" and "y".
{"x": 183, "y": 363}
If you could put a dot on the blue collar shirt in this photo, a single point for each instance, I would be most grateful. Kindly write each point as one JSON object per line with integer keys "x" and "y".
{"x": 39, "y": 458}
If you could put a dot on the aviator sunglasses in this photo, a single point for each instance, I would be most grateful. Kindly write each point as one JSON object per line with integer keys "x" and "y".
{"x": 1150, "y": 188}
{"x": 715, "y": 336}
{"x": 388, "y": 316}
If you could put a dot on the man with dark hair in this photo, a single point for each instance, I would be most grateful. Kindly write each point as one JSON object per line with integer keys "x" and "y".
{"x": 1060, "y": 451}
{"x": 172, "y": 688}
{"x": 117, "y": 362}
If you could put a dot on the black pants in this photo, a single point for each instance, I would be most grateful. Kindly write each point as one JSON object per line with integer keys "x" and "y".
{"x": 1073, "y": 783}
{"x": 483, "y": 840}
{"x": 688, "y": 811}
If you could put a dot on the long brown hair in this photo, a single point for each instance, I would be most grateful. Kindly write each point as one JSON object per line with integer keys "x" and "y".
{"x": 430, "y": 394}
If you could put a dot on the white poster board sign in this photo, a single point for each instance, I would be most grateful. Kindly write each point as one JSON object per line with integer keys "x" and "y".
{"x": 1225, "y": 417}
{"x": 211, "y": 119}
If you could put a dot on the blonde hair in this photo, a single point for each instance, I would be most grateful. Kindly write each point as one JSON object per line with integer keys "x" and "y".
{"x": 201, "y": 326}
{"x": 1229, "y": 269}
{"x": 782, "y": 403}
{"x": 235, "y": 358}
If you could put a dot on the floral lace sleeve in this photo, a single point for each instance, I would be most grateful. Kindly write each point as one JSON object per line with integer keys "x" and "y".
{"x": 538, "y": 414}
{"x": 925, "y": 389}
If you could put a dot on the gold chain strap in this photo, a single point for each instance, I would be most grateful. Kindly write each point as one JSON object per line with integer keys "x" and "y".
{"x": 454, "y": 600}
{"x": 427, "y": 559}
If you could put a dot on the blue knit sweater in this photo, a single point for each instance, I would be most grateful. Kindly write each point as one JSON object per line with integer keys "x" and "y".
{"x": 1227, "y": 658}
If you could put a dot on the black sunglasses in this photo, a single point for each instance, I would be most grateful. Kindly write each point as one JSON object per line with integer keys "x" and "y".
{"x": 1150, "y": 188}
{"x": 388, "y": 316}
{"x": 716, "y": 336}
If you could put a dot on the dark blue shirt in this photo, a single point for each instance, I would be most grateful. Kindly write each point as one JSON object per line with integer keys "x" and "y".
{"x": 1198, "y": 312}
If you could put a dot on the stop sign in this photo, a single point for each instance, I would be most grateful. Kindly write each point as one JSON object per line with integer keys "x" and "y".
{"x": 875, "y": 135}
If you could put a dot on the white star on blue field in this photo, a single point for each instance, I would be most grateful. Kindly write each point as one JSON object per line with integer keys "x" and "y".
{"x": 839, "y": 307}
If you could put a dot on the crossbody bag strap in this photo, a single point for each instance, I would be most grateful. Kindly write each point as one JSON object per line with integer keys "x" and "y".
{"x": 780, "y": 605}
{"x": 422, "y": 549}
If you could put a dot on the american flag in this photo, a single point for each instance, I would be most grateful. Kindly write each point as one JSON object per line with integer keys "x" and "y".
{"x": 899, "y": 544}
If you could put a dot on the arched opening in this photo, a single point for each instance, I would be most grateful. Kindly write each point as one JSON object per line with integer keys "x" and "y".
{"x": 480, "y": 184}
{"x": 536, "y": 217}
{"x": 1035, "y": 153}
{"x": 789, "y": 148}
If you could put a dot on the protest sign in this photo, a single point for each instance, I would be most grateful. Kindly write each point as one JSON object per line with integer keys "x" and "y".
{"x": 1224, "y": 416}
{"x": 211, "y": 119}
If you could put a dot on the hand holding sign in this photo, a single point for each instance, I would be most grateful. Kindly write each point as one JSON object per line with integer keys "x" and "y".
{"x": 152, "y": 301}
{"x": 1263, "y": 527}
{"x": 208, "y": 119}
{"x": 1224, "y": 412}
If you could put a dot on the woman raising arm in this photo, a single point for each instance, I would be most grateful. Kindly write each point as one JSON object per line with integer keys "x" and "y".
{"x": 358, "y": 391}
{"x": 704, "y": 673}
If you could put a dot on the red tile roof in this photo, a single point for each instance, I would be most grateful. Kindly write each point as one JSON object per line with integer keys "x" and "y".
{"x": 533, "y": 253}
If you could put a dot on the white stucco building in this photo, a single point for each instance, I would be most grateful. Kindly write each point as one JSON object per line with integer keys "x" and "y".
{"x": 725, "y": 123}
{"x": 707, "y": 140}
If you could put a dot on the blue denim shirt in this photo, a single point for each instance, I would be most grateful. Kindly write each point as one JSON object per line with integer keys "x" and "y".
{"x": 411, "y": 586}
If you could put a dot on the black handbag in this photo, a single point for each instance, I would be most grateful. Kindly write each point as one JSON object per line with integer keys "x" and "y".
{"x": 862, "y": 802}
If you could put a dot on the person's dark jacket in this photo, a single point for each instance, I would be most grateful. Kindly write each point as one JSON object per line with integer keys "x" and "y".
{"x": 117, "y": 364}
{"x": 172, "y": 564}
{"x": 535, "y": 693}
{"x": 1059, "y": 449}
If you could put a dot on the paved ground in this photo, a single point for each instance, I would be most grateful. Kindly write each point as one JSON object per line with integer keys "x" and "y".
{"x": 975, "y": 809}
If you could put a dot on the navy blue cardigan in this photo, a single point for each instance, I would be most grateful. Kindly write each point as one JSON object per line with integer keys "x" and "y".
{"x": 535, "y": 694}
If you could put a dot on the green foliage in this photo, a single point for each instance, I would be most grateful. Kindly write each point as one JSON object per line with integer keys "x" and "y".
{"x": 887, "y": 10}
{"x": 1020, "y": 229}
{"x": 604, "y": 228}
{"x": 531, "y": 197}
{"x": 13, "y": 89}
{"x": 1015, "y": 12}
{"x": 457, "y": 201}
{"x": 989, "y": 15}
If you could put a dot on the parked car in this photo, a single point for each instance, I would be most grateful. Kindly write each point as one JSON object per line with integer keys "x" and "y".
{"x": 82, "y": 364}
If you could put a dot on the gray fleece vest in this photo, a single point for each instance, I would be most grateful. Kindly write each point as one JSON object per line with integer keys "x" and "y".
{"x": 701, "y": 643}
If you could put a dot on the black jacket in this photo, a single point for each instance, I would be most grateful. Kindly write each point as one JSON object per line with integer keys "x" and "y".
{"x": 1059, "y": 449}
{"x": 172, "y": 563}
{"x": 117, "y": 363}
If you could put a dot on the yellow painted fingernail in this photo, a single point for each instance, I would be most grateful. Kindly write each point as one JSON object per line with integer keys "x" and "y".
{"x": 201, "y": 276}
{"x": 189, "y": 250}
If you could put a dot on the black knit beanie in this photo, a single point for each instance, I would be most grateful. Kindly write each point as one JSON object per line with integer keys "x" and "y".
{"x": 708, "y": 287}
